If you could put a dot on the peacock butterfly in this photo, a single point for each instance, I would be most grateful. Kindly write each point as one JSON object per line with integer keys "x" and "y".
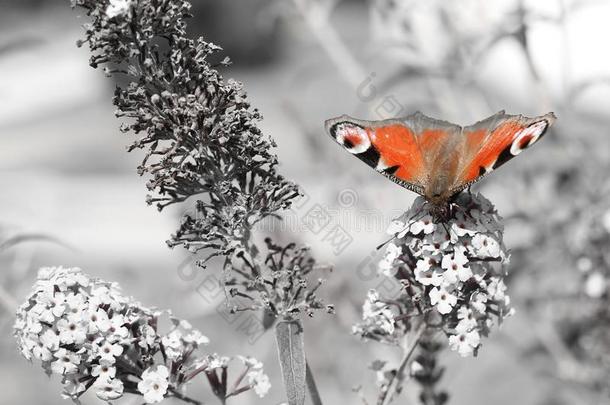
{"x": 434, "y": 158}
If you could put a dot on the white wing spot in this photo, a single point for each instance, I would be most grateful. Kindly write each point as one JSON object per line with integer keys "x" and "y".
{"x": 381, "y": 165}
{"x": 529, "y": 135}
{"x": 357, "y": 138}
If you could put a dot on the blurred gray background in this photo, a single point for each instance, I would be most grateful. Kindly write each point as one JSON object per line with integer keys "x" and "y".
{"x": 65, "y": 174}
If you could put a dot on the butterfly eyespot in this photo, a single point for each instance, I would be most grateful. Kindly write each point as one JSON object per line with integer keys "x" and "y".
{"x": 353, "y": 137}
{"x": 527, "y": 137}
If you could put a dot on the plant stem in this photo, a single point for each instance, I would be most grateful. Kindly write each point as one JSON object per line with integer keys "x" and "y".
{"x": 311, "y": 386}
{"x": 185, "y": 398}
{"x": 398, "y": 378}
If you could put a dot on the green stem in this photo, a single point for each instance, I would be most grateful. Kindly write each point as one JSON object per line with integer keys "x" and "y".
{"x": 398, "y": 378}
{"x": 311, "y": 386}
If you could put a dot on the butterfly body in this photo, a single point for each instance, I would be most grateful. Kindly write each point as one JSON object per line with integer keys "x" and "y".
{"x": 434, "y": 158}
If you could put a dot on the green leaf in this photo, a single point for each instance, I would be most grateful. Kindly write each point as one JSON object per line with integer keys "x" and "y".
{"x": 289, "y": 335}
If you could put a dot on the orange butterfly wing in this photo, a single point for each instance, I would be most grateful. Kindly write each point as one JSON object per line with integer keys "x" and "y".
{"x": 404, "y": 150}
{"x": 492, "y": 142}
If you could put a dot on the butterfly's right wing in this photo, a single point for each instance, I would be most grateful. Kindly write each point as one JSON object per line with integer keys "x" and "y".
{"x": 492, "y": 142}
{"x": 405, "y": 150}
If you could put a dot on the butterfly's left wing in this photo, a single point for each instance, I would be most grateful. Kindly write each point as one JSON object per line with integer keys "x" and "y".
{"x": 492, "y": 142}
{"x": 406, "y": 150}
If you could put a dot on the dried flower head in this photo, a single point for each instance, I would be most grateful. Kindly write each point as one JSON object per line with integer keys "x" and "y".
{"x": 86, "y": 331}
{"x": 199, "y": 131}
{"x": 278, "y": 282}
{"x": 452, "y": 275}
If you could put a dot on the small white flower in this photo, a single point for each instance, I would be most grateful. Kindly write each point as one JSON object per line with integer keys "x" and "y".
{"x": 117, "y": 332}
{"x": 386, "y": 265}
{"x": 377, "y": 314}
{"x": 436, "y": 243}
{"x": 108, "y": 351}
{"x": 250, "y": 362}
{"x": 97, "y": 320}
{"x": 424, "y": 225}
{"x": 104, "y": 370}
{"x": 40, "y": 351}
{"x": 442, "y": 299}
{"x": 393, "y": 251}
{"x": 42, "y": 312}
{"x": 424, "y": 264}
{"x": 215, "y": 362}
{"x": 485, "y": 246}
{"x": 496, "y": 289}
{"x": 416, "y": 246}
{"x": 260, "y": 382}
{"x": 466, "y": 317}
{"x": 99, "y": 295}
{"x": 118, "y": 7}
{"x": 154, "y": 384}
{"x": 462, "y": 226}
{"x": 429, "y": 277}
{"x": 173, "y": 345}
{"x": 55, "y": 303}
{"x": 455, "y": 267}
{"x": 478, "y": 301}
{"x": 66, "y": 363}
{"x": 32, "y": 325}
{"x": 50, "y": 339}
{"x": 71, "y": 330}
{"x": 108, "y": 390}
{"x": 75, "y": 277}
{"x": 75, "y": 303}
{"x": 72, "y": 387}
{"x": 196, "y": 338}
{"x": 256, "y": 378}
{"x": 465, "y": 341}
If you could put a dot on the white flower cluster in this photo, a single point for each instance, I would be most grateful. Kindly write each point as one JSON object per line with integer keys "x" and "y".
{"x": 455, "y": 267}
{"x": 257, "y": 379}
{"x": 377, "y": 318}
{"x": 87, "y": 332}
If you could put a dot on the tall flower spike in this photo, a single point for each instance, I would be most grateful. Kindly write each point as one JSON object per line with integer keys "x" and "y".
{"x": 199, "y": 131}
{"x": 86, "y": 331}
{"x": 452, "y": 273}
{"x": 202, "y": 140}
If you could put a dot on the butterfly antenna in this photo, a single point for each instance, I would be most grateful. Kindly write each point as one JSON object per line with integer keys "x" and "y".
{"x": 446, "y": 229}
{"x": 410, "y": 221}
{"x": 386, "y": 242}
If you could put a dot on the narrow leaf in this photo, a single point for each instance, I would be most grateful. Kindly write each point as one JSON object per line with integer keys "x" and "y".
{"x": 289, "y": 335}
